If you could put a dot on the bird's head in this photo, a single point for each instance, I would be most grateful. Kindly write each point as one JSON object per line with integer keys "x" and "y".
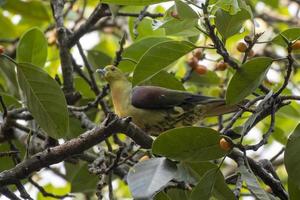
{"x": 111, "y": 73}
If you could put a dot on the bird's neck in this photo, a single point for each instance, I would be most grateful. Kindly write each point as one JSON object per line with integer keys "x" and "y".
{"x": 121, "y": 91}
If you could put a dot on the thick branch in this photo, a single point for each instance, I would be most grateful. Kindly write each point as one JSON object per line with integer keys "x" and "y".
{"x": 111, "y": 125}
{"x": 65, "y": 56}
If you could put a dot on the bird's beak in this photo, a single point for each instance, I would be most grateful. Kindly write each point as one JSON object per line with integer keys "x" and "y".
{"x": 101, "y": 71}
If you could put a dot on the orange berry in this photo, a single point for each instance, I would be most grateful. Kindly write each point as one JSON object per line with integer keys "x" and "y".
{"x": 251, "y": 53}
{"x": 201, "y": 69}
{"x": 241, "y": 47}
{"x": 144, "y": 158}
{"x": 193, "y": 62}
{"x": 225, "y": 145}
{"x": 174, "y": 14}
{"x": 1, "y": 49}
{"x": 198, "y": 54}
{"x": 221, "y": 66}
{"x": 296, "y": 45}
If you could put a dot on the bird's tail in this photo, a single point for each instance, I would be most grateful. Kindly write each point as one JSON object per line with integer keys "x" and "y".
{"x": 219, "y": 107}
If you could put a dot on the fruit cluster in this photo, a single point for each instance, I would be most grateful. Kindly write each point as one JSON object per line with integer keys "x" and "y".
{"x": 193, "y": 62}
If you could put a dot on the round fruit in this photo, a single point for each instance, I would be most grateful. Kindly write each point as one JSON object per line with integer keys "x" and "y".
{"x": 198, "y": 54}
{"x": 225, "y": 145}
{"x": 174, "y": 14}
{"x": 241, "y": 47}
{"x": 251, "y": 53}
{"x": 296, "y": 45}
{"x": 144, "y": 158}
{"x": 1, "y": 49}
{"x": 221, "y": 66}
{"x": 201, "y": 69}
{"x": 193, "y": 62}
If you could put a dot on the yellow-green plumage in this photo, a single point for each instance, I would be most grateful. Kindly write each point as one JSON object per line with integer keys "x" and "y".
{"x": 157, "y": 109}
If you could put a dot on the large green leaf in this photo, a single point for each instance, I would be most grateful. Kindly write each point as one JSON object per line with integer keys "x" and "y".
{"x": 158, "y": 57}
{"x": 220, "y": 190}
{"x": 134, "y": 2}
{"x": 189, "y": 144}
{"x": 184, "y": 27}
{"x": 228, "y": 24}
{"x": 144, "y": 29}
{"x": 166, "y": 80}
{"x": 208, "y": 79}
{"x": 32, "y": 48}
{"x": 148, "y": 177}
{"x": 294, "y": 190}
{"x": 79, "y": 177}
{"x": 185, "y": 11}
{"x": 291, "y": 157}
{"x": 290, "y": 34}
{"x": 36, "y": 10}
{"x": 231, "y": 6}
{"x": 203, "y": 190}
{"x": 253, "y": 184}
{"x": 247, "y": 79}
{"x": 98, "y": 59}
{"x": 44, "y": 99}
{"x": 136, "y": 50}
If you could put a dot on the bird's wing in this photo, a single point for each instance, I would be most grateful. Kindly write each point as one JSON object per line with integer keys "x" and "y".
{"x": 152, "y": 97}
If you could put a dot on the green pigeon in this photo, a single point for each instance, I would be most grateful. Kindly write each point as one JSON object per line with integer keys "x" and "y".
{"x": 157, "y": 109}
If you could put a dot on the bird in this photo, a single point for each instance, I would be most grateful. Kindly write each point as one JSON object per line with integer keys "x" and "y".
{"x": 156, "y": 109}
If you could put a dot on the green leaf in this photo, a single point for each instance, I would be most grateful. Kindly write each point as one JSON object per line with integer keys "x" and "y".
{"x": 134, "y": 2}
{"x": 185, "y": 11}
{"x": 291, "y": 157}
{"x": 166, "y": 80}
{"x": 189, "y": 144}
{"x": 173, "y": 194}
{"x": 208, "y": 79}
{"x": 7, "y": 69}
{"x": 136, "y": 50}
{"x": 44, "y": 99}
{"x": 98, "y": 58}
{"x": 272, "y": 3}
{"x": 227, "y": 24}
{"x": 79, "y": 177}
{"x": 36, "y": 10}
{"x": 9, "y": 101}
{"x": 294, "y": 190}
{"x": 164, "y": 54}
{"x": 203, "y": 190}
{"x": 178, "y": 194}
{"x": 253, "y": 184}
{"x": 231, "y": 6}
{"x": 148, "y": 177}
{"x": 290, "y": 34}
{"x": 184, "y": 27}
{"x": 161, "y": 196}
{"x": 32, "y": 48}
{"x": 247, "y": 79}
{"x": 144, "y": 29}
{"x": 220, "y": 190}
